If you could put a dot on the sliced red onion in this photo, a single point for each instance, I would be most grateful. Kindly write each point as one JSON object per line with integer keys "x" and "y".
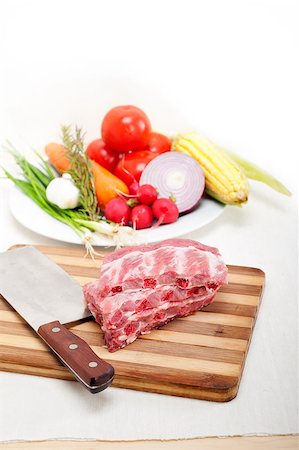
{"x": 178, "y": 176}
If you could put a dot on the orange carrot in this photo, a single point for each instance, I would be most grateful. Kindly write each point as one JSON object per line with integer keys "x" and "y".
{"x": 57, "y": 156}
{"x": 106, "y": 184}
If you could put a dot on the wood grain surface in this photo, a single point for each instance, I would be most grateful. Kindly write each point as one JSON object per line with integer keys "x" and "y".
{"x": 201, "y": 356}
{"x": 288, "y": 442}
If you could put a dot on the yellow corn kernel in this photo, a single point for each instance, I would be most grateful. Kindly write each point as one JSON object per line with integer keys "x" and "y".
{"x": 225, "y": 180}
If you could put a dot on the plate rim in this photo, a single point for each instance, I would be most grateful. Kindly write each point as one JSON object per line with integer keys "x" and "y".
{"x": 75, "y": 239}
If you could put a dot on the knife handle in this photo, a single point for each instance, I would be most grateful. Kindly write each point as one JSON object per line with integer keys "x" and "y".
{"x": 94, "y": 373}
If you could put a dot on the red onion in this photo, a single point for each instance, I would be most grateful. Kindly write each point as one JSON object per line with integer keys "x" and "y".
{"x": 178, "y": 176}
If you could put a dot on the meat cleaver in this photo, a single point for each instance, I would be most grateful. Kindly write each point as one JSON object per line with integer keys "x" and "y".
{"x": 48, "y": 298}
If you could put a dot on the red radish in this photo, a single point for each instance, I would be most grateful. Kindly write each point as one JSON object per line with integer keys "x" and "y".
{"x": 142, "y": 217}
{"x": 118, "y": 211}
{"x": 147, "y": 194}
{"x": 165, "y": 210}
{"x": 133, "y": 188}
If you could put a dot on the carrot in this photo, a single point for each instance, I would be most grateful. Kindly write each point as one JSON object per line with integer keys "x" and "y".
{"x": 57, "y": 156}
{"x": 107, "y": 185}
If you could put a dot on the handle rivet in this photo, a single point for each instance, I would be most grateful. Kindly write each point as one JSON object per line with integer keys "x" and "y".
{"x": 56, "y": 329}
{"x": 73, "y": 346}
{"x": 93, "y": 364}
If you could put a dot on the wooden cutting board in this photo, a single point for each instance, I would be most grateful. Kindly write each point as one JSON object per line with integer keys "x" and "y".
{"x": 201, "y": 356}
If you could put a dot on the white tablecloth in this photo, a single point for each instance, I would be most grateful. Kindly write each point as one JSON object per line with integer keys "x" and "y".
{"x": 262, "y": 234}
{"x": 228, "y": 68}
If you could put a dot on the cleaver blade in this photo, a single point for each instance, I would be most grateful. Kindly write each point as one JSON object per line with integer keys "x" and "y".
{"x": 47, "y": 298}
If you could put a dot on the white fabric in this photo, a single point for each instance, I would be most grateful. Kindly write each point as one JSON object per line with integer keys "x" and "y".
{"x": 229, "y": 70}
{"x": 39, "y": 408}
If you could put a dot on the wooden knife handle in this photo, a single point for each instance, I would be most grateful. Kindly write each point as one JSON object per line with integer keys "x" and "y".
{"x": 94, "y": 373}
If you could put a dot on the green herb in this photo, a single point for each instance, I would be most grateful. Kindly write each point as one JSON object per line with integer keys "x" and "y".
{"x": 80, "y": 170}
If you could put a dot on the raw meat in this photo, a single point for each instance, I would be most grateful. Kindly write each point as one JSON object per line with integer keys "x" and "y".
{"x": 187, "y": 276}
{"x": 124, "y": 316}
{"x": 180, "y": 262}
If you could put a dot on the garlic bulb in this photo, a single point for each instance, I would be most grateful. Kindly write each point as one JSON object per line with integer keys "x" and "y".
{"x": 63, "y": 192}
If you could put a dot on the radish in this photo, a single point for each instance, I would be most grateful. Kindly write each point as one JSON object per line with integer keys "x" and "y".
{"x": 118, "y": 211}
{"x": 147, "y": 194}
{"x": 165, "y": 210}
{"x": 133, "y": 188}
{"x": 142, "y": 217}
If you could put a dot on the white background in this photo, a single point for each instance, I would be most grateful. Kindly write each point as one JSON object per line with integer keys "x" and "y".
{"x": 226, "y": 68}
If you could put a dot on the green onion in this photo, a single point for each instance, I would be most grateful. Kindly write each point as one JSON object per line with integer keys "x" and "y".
{"x": 34, "y": 186}
{"x": 46, "y": 166}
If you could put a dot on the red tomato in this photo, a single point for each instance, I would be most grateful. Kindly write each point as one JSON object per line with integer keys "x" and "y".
{"x": 158, "y": 143}
{"x": 98, "y": 151}
{"x": 126, "y": 128}
{"x": 131, "y": 166}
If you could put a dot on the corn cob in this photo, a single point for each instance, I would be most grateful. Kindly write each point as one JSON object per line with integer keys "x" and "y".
{"x": 225, "y": 180}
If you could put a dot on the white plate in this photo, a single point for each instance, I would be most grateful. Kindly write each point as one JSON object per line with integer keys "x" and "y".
{"x": 35, "y": 219}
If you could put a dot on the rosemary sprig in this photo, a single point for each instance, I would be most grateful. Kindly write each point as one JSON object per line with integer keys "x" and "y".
{"x": 80, "y": 170}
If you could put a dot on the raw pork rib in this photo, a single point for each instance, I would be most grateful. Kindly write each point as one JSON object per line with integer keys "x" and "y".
{"x": 126, "y": 315}
{"x": 187, "y": 276}
{"x": 179, "y": 262}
